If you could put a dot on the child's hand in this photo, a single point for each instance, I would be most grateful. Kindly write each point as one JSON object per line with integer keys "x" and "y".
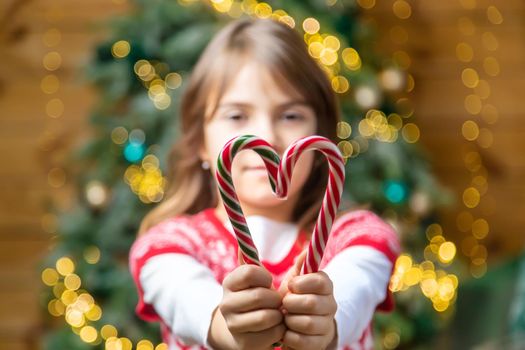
{"x": 251, "y": 308}
{"x": 309, "y": 307}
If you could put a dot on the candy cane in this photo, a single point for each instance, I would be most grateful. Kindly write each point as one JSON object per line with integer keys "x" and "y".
{"x": 280, "y": 175}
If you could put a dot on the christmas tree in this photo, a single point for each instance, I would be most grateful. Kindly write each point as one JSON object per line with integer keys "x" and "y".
{"x": 140, "y": 73}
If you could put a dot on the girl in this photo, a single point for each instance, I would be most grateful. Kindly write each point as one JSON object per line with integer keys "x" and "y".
{"x": 256, "y": 77}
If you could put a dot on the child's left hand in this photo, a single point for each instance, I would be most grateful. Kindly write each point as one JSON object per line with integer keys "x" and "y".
{"x": 309, "y": 307}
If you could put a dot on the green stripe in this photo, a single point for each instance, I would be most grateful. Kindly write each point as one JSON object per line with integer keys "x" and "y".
{"x": 230, "y": 203}
{"x": 269, "y": 155}
{"x": 238, "y": 143}
{"x": 246, "y": 249}
{"x": 223, "y": 172}
{"x": 241, "y": 227}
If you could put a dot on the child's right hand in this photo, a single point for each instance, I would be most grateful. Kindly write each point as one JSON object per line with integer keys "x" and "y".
{"x": 250, "y": 309}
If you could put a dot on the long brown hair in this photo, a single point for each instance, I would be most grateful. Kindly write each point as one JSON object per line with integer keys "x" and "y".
{"x": 280, "y": 49}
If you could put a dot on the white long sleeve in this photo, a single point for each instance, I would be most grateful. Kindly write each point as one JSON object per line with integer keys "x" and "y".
{"x": 184, "y": 294}
{"x": 360, "y": 276}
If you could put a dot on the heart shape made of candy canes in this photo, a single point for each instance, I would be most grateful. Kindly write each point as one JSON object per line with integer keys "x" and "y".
{"x": 280, "y": 175}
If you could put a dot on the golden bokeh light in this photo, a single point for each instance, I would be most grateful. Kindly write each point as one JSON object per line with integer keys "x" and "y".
{"x": 473, "y": 161}
{"x": 56, "y": 308}
{"x": 120, "y": 49}
{"x": 401, "y": 9}
{"x": 223, "y": 6}
{"x": 470, "y": 77}
{"x": 144, "y": 70}
{"x": 402, "y": 59}
{"x": 395, "y": 120}
{"x": 331, "y": 42}
{"x": 447, "y": 251}
{"x": 108, "y": 331}
{"x": 410, "y": 132}
{"x": 50, "y": 277}
{"x": 412, "y": 276}
{"x": 405, "y": 107}
{"x": 263, "y": 10}
{"x": 480, "y": 228}
{"x": 94, "y": 313}
{"x": 366, "y": 4}
{"x": 65, "y": 266}
{"x": 68, "y": 297}
{"x": 344, "y": 130}
{"x": 346, "y": 148}
{"x": 473, "y": 104}
{"x": 119, "y": 135}
{"x": 58, "y": 289}
{"x": 311, "y": 25}
{"x": 482, "y": 89}
{"x": 72, "y": 281}
{"x": 351, "y": 58}
{"x": 173, "y": 80}
{"x": 478, "y": 271}
{"x": 162, "y": 101}
{"x": 464, "y": 52}
{"x": 145, "y": 345}
{"x": 126, "y": 343}
{"x": 490, "y": 41}
{"x": 433, "y": 230}
{"x": 471, "y": 197}
{"x": 75, "y": 317}
{"x": 340, "y": 84}
{"x": 88, "y": 334}
{"x": 50, "y": 84}
{"x": 52, "y": 61}
{"x": 470, "y": 130}
{"x": 485, "y": 138}
{"x": 494, "y": 15}
{"x": 491, "y": 66}
{"x": 328, "y": 56}
{"x": 55, "y": 108}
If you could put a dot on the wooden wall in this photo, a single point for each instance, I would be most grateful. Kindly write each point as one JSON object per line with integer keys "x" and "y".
{"x": 32, "y": 143}
{"x": 434, "y": 29}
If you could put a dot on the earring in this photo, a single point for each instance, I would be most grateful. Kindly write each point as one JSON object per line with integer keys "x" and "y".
{"x": 205, "y": 165}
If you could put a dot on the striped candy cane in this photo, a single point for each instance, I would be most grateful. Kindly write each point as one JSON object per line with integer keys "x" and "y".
{"x": 280, "y": 175}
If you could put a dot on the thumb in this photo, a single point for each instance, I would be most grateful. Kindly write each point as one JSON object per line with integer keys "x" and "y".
{"x": 295, "y": 270}
{"x": 239, "y": 257}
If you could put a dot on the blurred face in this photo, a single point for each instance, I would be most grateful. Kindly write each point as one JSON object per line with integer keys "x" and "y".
{"x": 254, "y": 104}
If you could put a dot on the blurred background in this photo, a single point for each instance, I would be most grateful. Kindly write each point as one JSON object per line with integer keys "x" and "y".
{"x": 433, "y": 135}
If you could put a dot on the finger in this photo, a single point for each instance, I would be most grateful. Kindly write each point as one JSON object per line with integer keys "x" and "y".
{"x": 239, "y": 257}
{"x": 264, "y": 339}
{"x": 309, "y": 304}
{"x": 253, "y": 321}
{"x": 251, "y": 299}
{"x": 312, "y": 283}
{"x": 300, "y": 341}
{"x": 247, "y": 276}
{"x": 295, "y": 270}
{"x": 308, "y": 324}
